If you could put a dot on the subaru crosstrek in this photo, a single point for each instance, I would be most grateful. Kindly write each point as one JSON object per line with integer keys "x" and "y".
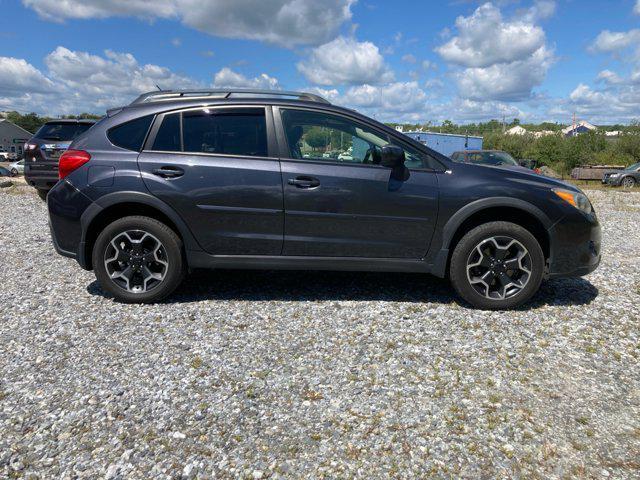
{"x": 241, "y": 179}
{"x": 43, "y": 150}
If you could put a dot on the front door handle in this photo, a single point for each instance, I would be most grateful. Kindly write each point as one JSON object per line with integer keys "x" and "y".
{"x": 168, "y": 172}
{"x": 304, "y": 182}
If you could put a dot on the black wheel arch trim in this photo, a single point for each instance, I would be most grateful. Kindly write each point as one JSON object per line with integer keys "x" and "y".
{"x": 109, "y": 200}
{"x": 441, "y": 256}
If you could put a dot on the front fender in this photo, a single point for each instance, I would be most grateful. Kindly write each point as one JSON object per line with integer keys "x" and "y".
{"x": 440, "y": 247}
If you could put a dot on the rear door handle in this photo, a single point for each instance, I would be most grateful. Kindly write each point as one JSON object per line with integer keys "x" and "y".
{"x": 168, "y": 172}
{"x": 304, "y": 182}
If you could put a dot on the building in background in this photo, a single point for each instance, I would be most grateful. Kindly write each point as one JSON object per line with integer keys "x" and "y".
{"x": 12, "y": 138}
{"x": 577, "y": 128}
{"x": 446, "y": 143}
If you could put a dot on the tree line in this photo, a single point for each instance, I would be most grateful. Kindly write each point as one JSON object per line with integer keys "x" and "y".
{"x": 556, "y": 151}
{"x": 31, "y": 122}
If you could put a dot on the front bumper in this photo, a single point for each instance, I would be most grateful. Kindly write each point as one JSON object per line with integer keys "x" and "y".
{"x": 576, "y": 243}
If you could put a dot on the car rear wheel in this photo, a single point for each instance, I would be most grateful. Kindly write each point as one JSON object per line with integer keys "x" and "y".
{"x": 497, "y": 266}
{"x": 628, "y": 182}
{"x": 14, "y": 172}
{"x": 138, "y": 260}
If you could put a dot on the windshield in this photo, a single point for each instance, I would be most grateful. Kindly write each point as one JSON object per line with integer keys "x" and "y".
{"x": 633, "y": 167}
{"x": 62, "y": 131}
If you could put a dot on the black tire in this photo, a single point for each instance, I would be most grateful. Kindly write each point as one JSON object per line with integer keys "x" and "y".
{"x": 462, "y": 255}
{"x": 14, "y": 172}
{"x": 42, "y": 194}
{"x": 173, "y": 252}
{"x": 628, "y": 182}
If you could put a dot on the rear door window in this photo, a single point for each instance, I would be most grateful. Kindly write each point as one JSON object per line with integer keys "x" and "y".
{"x": 239, "y": 131}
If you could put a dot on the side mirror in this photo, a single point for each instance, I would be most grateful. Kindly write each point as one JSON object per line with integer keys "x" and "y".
{"x": 392, "y": 156}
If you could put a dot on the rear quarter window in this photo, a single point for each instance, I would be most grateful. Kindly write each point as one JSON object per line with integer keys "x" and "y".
{"x": 131, "y": 134}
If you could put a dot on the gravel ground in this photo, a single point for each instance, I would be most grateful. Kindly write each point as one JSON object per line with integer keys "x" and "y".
{"x": 290, "y": 375}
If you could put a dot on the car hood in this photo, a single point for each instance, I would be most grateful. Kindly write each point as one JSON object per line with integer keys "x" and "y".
{"x": 510, "y": 174}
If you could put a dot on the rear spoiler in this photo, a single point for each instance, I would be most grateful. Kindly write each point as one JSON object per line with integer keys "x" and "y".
{"x": 114, "y": 111}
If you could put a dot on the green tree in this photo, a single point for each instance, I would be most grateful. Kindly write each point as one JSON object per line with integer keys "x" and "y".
{"x": 317, "y": 137}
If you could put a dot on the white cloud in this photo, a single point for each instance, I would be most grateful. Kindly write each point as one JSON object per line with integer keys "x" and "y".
{"x": 79, "y": 81}
{"x": 402, "y": 101}
{"x": 485, "y": 39}
{"x": 506, "y": 81}
{"x": 283, "y": 22}
{"x": 636, "y": 9}
{"x": 609, "y": 42}
{"x": 227, "y": 78}
{"x": 345, "y": 61}
{"x": 540, "y": 10}
{"x": 116, "y": 76}
{"x": 464, "y": 111}
{"x": 19, "y": 77}
{"x": 409, "y": 58}
{"x": 609, "y": 77}
{"x": 499, "y": 59}
{"x": 59, "y": 10}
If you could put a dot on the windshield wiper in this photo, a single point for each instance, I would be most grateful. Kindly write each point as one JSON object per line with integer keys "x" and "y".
{"x": 52, "y": 138}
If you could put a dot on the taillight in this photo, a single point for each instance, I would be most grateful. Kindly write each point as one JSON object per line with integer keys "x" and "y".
{"x": 71, "y": 160}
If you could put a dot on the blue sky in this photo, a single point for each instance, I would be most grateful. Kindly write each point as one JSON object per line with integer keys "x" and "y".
{"x": 464, "y": 60}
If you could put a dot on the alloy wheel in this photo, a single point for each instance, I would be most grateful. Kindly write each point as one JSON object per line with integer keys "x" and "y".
{"x": 628, "y": 182}
{"x": 136, "y": 261}
{"x": 499, "y": 267}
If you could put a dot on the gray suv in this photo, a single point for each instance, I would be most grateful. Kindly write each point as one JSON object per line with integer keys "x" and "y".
{"x": 283, "y": 180}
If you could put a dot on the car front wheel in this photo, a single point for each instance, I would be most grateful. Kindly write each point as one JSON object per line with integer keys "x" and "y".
{"x": 497, "y": 266}
{"x": 628, "y": 182}
{"x": 138, "y": 260}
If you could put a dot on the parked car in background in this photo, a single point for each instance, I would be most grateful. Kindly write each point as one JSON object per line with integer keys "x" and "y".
{"x": 228, "y": 179}
{"x": 485, "y": 157}
{"x": 627, "y": 178}
{"x": 17, "y": 168}
{"x": 43, "y": 150}
{"x": 4, "y": 155}
{"x": 5, "y": 172}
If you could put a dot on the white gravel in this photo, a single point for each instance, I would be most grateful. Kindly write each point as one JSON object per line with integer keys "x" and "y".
{"x": 291, "y": 375}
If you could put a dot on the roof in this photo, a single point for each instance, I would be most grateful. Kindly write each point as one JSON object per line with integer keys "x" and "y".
{"x": 581, "y": 123}
{"x": 72, "y": 120}
{"x": 13, "y": 125}
{"x": 517, "y": 130}
{"x": 164, "y": 95}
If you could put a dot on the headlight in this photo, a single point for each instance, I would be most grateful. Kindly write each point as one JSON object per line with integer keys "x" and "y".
{"x": 577, "y": 199}
{"x": 614, "y": 175}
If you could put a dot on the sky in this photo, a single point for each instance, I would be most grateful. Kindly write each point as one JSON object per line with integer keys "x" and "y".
{"x": 398, "y": 61}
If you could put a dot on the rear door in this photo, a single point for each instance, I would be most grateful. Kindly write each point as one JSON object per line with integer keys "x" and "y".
{"x": 218, "y": 168}
{"x": 339, "y": 201}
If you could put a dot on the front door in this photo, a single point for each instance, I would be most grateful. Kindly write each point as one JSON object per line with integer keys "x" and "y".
{"x": 339, "y": 201}
{"x": 215, "y": 167}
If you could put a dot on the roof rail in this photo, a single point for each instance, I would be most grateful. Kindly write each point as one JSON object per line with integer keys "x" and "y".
{"x": 165, "y": 95}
